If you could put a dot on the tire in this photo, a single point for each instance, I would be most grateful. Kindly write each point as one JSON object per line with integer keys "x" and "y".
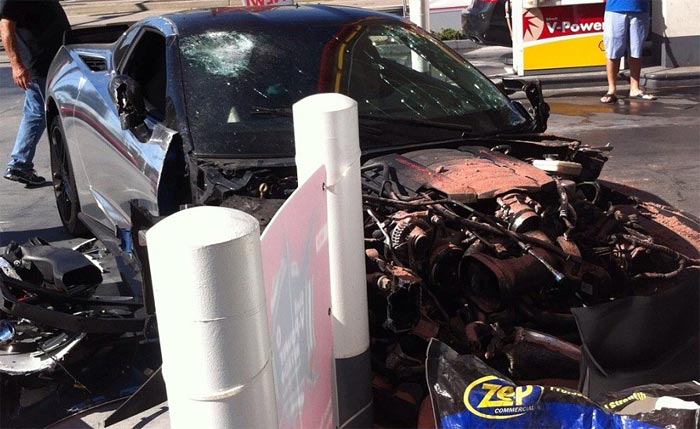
{"x": 64, "y": 188}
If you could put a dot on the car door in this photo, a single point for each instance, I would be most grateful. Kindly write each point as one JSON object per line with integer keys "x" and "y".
{"x": 128, "y": 167}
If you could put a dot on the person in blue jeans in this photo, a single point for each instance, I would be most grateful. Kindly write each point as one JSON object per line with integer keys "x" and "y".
{"x": 32, "y": 33}
{"x": 625, "y": 27}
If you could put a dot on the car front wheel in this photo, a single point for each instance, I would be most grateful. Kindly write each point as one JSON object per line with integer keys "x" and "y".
{"x": 64, "y": 189}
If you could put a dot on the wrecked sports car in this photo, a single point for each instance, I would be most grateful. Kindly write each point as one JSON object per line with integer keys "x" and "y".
{"x": 480, "y": 229}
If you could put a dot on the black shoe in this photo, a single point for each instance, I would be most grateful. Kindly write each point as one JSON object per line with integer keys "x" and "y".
{"x": 28, "y": 177}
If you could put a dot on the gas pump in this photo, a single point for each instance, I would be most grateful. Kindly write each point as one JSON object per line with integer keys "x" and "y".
{"x": 555, "y": 36}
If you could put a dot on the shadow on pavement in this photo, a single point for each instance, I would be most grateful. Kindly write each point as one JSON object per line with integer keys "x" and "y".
{"x": 56, "y": 233}
{"x": 46, "y": 184}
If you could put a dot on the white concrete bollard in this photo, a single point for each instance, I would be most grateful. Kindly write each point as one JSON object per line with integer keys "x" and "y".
{"x": 326, "y": 133}
{"x": 210, "y": 303}
{"x": 419, "y": 13}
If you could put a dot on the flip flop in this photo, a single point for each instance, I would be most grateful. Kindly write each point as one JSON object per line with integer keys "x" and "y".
{"x": 643, "y": 96}
{"x": 608, "y": 99}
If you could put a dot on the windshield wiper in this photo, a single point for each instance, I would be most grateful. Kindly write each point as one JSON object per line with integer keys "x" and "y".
{"x": 286, "y": 111}
{"x": 419, "y": 122}
{"x": 273, "y": 111}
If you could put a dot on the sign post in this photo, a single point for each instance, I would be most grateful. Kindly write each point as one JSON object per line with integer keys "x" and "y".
{"x": 326, "y": 133}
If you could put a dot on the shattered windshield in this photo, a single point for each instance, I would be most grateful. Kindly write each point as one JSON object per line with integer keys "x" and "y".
{"x": 240, "y": 86}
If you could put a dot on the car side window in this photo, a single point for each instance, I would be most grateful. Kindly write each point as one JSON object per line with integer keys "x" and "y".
{"x": 146, "y": 64}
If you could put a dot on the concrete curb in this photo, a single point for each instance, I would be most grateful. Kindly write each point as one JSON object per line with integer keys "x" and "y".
{"x": 652, "y": 78}
{"x": 462, "y": 44}
{"x": 672, "y": 78}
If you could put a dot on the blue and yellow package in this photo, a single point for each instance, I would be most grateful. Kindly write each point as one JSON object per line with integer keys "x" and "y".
{"x": 467, "y": 393}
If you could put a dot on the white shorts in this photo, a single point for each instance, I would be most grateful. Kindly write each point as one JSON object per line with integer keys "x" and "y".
{"x": 624, "y": 33}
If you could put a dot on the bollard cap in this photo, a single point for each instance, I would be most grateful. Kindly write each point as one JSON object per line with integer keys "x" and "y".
{"x": 324, "y": 103}
{"x": 204, "y": 226}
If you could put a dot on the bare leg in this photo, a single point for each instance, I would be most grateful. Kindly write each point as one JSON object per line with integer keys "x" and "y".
{"x": 635, "y": 65}
{"x": 612, "y": 67}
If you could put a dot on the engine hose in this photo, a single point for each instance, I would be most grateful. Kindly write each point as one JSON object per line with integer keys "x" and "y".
{"x": 385, "y": 175}
{"x": 445, "y": 316}
{"x": 387, "y": 239}
{"x": 398, "y": 196}
{"x": 638, "y": 234}
{"x": 669, "y": 275}
{"x": 430, "y": 202}
{"x": 519, "y": 238}
{"x": 484, "y": 240}
{"x": 491, "y": 226}
{"x": 595, "y": 186}
{"x": 372, "y": 187}
{"x": 657, "y": 247}
{"x": 386, "y": 179}
{"x": 563, "y": 199}
{"x": 416, "y": 202}
{"x": 560, "y": 321}
{"x": 566, "y": 211}
{"x": 558, "y": 275}
{"x": 383, "y": 165}
{"x": 381, "y": 188}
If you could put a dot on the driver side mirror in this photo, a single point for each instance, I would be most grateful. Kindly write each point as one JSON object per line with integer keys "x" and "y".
{"x": 533, "y": 92}
{"x": 126, "y": 94}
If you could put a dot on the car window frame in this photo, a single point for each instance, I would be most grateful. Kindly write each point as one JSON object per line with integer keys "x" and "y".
{"x": 120, "y": 63}
{"x": 128, "y": 54}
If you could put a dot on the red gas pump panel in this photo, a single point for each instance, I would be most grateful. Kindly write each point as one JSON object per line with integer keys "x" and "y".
{"x": 558, "y": 34}
{"x": 559, "y": 21}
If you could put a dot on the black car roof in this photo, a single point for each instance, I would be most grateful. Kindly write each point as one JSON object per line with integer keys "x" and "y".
{"x": 195, "y": 22}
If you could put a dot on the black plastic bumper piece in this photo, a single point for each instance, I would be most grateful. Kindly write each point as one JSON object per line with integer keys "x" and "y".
{"x": 59, "y": 320}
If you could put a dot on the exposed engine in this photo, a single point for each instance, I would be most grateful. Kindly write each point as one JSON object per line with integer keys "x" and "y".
{"x": 467, "y": 244}
{"x": 486, "y": 252}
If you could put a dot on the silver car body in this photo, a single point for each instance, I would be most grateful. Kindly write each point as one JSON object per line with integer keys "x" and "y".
{"x": 110, "y": 165}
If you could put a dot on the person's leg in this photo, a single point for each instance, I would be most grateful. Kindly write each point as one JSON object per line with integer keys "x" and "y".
{"x": 612, "y": 67}
{"x": 615, "y": 40}
{"x": 635, "y": 65}
{"x": 639, "y": 29}
{"x": 31, "y": 127}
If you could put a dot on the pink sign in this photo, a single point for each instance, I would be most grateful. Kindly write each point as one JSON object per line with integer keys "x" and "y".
{"x": 297, "y": 284}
